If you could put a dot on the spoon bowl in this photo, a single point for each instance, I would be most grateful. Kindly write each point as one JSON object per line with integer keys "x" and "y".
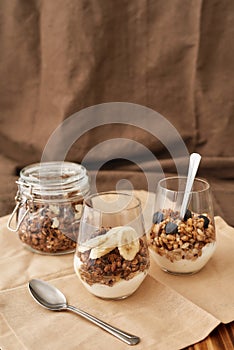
{"x": 53, "y": 299}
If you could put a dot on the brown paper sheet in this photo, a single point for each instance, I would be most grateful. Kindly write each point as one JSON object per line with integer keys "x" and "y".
{"x": 167, "y": 312}
{"x": 161, "y": 317}
{"x": 8, "y": 339}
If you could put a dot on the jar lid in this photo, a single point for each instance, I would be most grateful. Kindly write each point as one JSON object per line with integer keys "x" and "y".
{"x": 54, "y": 176}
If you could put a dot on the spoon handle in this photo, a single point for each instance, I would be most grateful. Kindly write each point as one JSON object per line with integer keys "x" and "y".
{"x": 194, "y": 161}
{"x": 125, "y": 337}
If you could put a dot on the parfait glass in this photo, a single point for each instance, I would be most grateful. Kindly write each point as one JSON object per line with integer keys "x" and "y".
{"x": 112, "y": 257}
{"x": 182, "y": 245}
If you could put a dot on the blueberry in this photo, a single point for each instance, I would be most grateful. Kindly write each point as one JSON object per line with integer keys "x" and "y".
{"x": 187, "y": 215}
{"x": 158, "y": 217}
{"x": 206, "y": 220}
{"x": 171, "y": 227}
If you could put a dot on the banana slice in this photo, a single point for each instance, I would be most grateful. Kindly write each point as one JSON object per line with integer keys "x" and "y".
{"x": 123, "y": 237}
{"x": 110, "y": 243}
{"x": 103, "y": 244}
{"x": 92, "y": 243}
{"x": 129, "y": 244}
{"x": 97, "y": 252}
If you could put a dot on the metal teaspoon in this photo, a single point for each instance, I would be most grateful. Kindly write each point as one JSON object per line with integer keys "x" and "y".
{"x": 53, "y": 299}
{"x": 194, "y": 162}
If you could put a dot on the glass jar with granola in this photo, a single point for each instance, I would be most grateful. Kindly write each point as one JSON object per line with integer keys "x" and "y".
{"x": 49, "y": 205}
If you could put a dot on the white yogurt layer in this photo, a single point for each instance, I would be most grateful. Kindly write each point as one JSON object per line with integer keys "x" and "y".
{"x": 185, "y": 265}
{"x": 120, "y": 289}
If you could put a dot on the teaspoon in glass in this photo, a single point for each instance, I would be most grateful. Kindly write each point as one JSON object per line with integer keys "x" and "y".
{"x": 194, "y": 162}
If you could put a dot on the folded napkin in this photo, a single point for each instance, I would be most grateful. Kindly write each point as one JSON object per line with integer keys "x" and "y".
{"x": 167, "y": 312}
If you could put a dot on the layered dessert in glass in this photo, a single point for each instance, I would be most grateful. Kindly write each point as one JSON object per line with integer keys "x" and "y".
{"x": 112, "y": 261}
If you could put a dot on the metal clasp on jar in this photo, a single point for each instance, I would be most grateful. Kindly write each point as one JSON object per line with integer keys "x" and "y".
{"x": 19, "y": 203}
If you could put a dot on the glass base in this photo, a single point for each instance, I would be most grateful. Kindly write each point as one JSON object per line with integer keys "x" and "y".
{"x": 179, "y": 273}
{"x": 48, "y": 253}
{"x": 119, "y": 298}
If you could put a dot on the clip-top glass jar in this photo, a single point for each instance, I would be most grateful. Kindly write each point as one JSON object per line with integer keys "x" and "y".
{"x": 49, "y": 205}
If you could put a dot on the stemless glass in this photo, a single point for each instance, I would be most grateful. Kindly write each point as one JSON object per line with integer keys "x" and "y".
{"x": 182, "y": 245}
{"x": 112, "y": 257}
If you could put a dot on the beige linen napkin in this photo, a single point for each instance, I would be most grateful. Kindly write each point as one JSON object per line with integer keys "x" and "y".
{"x": 167, "y": 312}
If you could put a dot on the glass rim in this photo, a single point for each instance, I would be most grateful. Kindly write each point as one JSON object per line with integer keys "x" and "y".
{"x": 98, "y": 194}
{"x": 197, "y": 179}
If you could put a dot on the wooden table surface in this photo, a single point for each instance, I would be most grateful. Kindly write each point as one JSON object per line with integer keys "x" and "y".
{"x": 222, "y": 338}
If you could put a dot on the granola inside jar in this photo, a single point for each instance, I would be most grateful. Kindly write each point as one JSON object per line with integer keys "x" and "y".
{"x": 49, "y": 205}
